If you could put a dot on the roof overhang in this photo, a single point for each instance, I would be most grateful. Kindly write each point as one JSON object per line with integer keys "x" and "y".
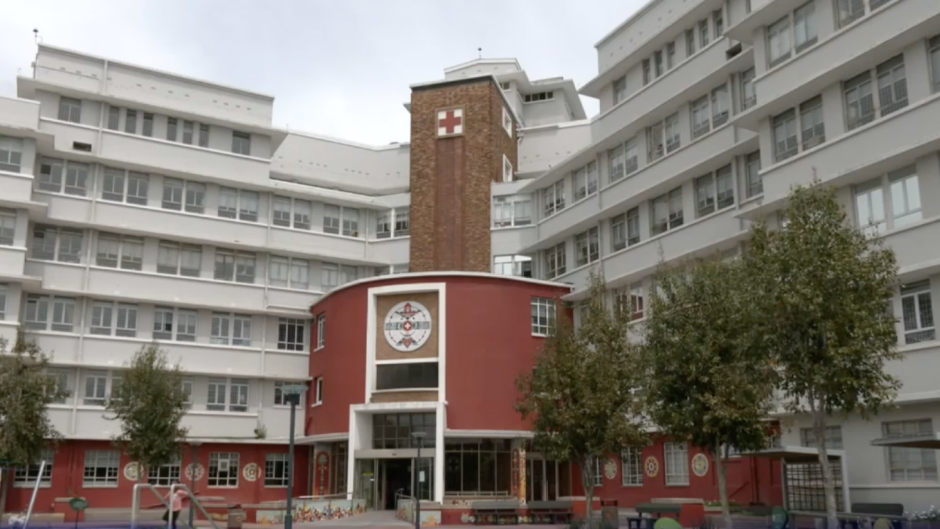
{"x": 566, "y": 85}
{"x": 766, "y": 15}
{"x": 794, "y": 454}
{"x": 929, "y": 441}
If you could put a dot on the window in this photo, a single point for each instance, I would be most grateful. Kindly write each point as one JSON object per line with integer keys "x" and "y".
{"x": 663, "y": 138}
{"x": 196, "y": 197}
{"x": 507, "y": 169}
{"x": 876, "y": 215}
{"x": 171, "y": 126}
{"x": 864, "y": 105}
{"x": 223, "y": 469}
{"x": 275, "y": 470}
{"x": 402, "y": 221}
{"x": 689, "y": 42}
{"x": 555, "y": 261}
{"x": 321, "y": 331}
{"x": 7, "y": 227}
{"x": 512, "y": 211}
{"x": 96, "y": 388}
{"x": 905, "y": 196}
{"x": 39, "y": 318}
{"x": 718, "y": 19}
{"x": 748, "y": 95}
{"x": 808, "y": 121}
{"x": 422, "y": 375}
{"x": 179, "y": 259}
{"x": 658, "y": 63}
{"x": 541, "y": 96}
{"x": 11, "y": 154}
{"x": 812, "y": 126}
{"x": 174, "y": 324}
{"x": 786, "y": 143}
{"x": 51, "y": 243}
{"x": 647, "y": 73}
{"x": 26, "y": 477}
{"x": 238, "y": 203}
{"x": 676, "y": 463}
{"x": 848, "y": 11}
{"x": 714, "y": 192}
{"x": 291, "y": 212}
{"x": 241, "y": 143}
{"x": 753, "y": 182}
{"x": 507, "y": 121}
{"x": 3, "y": 300}
{"x": 70, "y": 110}
{"x": 291, "y": 334}
{"x": 230, "y": 328}
{"x": 215, "y": 399}
{"x": 235, "y": 266}
{"x": 164, "y": 475}
{"x": 910, "y": 464}
{"x": 188, "y": 132}
{"x": 553, "y": 198}
{"x": 543, "y": 316}
{"x": 188, "y": 392}
{"x": 587, "y": 247}
{"x": 710, "y": 111}
{"x": 237, "y": 393}
{"x": 337, "y": 218}
{"x": 701, "y": 122}
{"x": 620, "y": 89}
{"x": 778, "y": 41}
{"x": 585, "y": 181}
{"x": 281, "y": 214}
{"x": 637, "y": 305}
{"x": 203, "y": 135}
{"x": 148, "y": 124}
{"x": 625, "y": 229}
{"x": 53, "y": 173}
{"x": 348, "y": 274}
{"x": 512, "y": 265}
{"x": 670, "y": 54}
{"x": 114, "y": 118}
{"x": 721, "y": 106}
{"x": 933, "y": 49}
{"x": 703, "y": 32}
{"x": 130, "y": 121}
{"x": 101, "y": 468}
{"x": 117, "y": 250}
{"x": 598, "y": 471}
{"x": 393, "y": 430}
{"x": 108, "y": 319}
{"x": 917, "y": 309}
{"x": 329, "y": 275}
{"x": 804, "y": 26}
{"x": 289, "y": 272}
{"x": 667, "y": 212}
{"x": 631, "y": 467}
{"x": 833, "y": 437}
{"x": 120, "y": 186}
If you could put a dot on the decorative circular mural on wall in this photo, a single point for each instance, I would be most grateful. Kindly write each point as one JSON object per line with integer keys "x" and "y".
{"x": 408, "y": 326}
{"x": 652, "y": 466}
{"x": 250, "y": 472}
{"x": 132, "y": 471}
{"x": 610, "y": 469}
{"x": 199, "y": 472}
{"x": 700, "y": 465}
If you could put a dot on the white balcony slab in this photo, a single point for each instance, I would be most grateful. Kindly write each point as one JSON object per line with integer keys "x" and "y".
{"x": 880, "y": 146}
{"x": 61, "y": 419}
{"x": 16, "y": 188}
{"x": 286, "y": 364}
{"x": 324, "y": 245}
{"x": 916, "y": 249}
{"x": 511, "y": 241}
{"x": 389, "y": 251}
{"x": 869, "y": 41}
{"x": 293, "y": 300}
{"x": 19, "y": 114}
{"x": 12, "y": 262}
{"x": 918, "y": 369}
{"x": 215, "y": 425}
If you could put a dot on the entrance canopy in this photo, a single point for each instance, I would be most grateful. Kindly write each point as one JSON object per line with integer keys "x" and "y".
{"x": 928, "y": 441}
{"x": 795, "y": 454}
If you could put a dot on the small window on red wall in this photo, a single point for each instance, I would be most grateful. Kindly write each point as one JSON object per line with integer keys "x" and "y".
{"x": 321, "y": 331}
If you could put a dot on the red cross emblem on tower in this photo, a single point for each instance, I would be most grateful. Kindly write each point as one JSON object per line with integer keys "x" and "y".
{"x": 450, "y": 122}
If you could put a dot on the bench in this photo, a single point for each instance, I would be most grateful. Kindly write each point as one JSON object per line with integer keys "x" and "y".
{"x": 659, "y": 508}
{"x": 878, "y": 509}
{"x": 498, "y": 512}
{"x": 550, "y": 512}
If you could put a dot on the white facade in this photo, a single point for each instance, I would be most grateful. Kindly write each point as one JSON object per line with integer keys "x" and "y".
{"x": 710, "y": 111}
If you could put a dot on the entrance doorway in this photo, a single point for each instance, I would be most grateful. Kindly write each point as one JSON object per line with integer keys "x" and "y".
{"x": 396, "y": 475}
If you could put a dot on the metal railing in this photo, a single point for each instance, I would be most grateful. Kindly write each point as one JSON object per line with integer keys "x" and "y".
{"x": 193, "y": 501}
{"x": 166, "y": 502}
{"x": 32, "y": 499}
{"x": 135, "y": 501}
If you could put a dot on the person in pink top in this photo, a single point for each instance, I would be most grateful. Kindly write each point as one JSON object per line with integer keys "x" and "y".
{"x": 176, "y": 504}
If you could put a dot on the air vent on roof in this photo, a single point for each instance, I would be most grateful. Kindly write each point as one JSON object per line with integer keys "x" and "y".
{"x": 79, "y": 146}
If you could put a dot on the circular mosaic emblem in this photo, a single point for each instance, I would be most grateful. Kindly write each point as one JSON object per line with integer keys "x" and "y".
{"x": 199, "y": 472}
{"x": 408, "y": 326}
{"x": 250, "y": 472}
{"x": 322, "y": 458}
{"x": 700, "y": 465}
{"x": 610, "y": 469}
{"x": 132, "y": 471}
{"x": 652, "y": 466}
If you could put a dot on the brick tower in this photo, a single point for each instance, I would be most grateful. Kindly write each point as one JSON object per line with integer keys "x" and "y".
{"x": 463, "y": 138}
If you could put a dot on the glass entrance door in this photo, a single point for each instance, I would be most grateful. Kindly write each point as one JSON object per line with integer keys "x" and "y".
{"x": 426, "y": 487}
{"x": 366, "y": 484}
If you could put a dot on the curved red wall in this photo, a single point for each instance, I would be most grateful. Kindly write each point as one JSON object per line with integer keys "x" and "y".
{"x": 489, "y": 343}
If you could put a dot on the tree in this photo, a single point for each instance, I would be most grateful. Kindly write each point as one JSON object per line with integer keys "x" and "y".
{"x": 26, "y": 391}
{"x": 580, "y": 395}
{"x": 150, "y": 403}
{"x": 709, "y": 381}
{"x": 826, "y": 314}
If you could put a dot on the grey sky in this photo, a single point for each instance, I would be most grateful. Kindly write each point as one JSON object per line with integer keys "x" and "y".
{"x": 338, "y": 67}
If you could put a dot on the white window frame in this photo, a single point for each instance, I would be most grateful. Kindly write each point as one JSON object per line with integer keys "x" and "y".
{"x": 673, "y": 454}
{"x": 748, "y": 94}
{"x": 58, "y": 244}
{"x": 11, "y": 154}
{"x": 166, "y": 474}
{"x": 508, "y": 173}
{"x": 26, "y": 477}
{"x": 223, "y": 462}
{"x": 512, "y": 265}
{"x": 244, "y": 266}
{"x": 341, "y": 220}
{"x": 584, "y": 181}
{"x": 230, "y": 329}
{"x": 833, "y": 437}
{"x": 59, "y": 313}
{"x": 298, "y": 213}
{"x": 276, "y": 471}
{"x": 620, "y": 89}
{"x": 542, "y": 316}
{"x": 239, "y": 204}
{"x": 553, "y": 199}
{"x": 631, "y": 467}
{"x": 753, "y": 182}
{"x": 109, "y": 318}
{"x": 507, "y": 121}
{"x": 175, "y": 324}
{"x": 933, "y": 52}
{"x": 230, "y": 395}
{"x": 318, "y": 391}
{"x": 70, "y": 109}
{"x": 538, "y": 97}
{"x": 798, "y": 129}
{"x": 714, "y": 191}
{"x": 555, "y": 261}
{"x": 63, "y": 176}
{"x": 321, "y": 332}
{"x": 329, "y": 276}
{"x": 889, "y": 201}
{"x": 7, "y": 226}
{"x": 871, "y": 85}
{"x": 288, "y": 272}
{"x": 917, "y": 315}
{"x": 663, "y": 138}
{"x": 675, "y": 217}
{"x": 119, "y": 251}
{"x": 509, "y": 211}
{"x": 587, "y": 246}
{"x": 241, "y": 143}
{"x": 175, "y": 255}
{"x": 109, "y": 461}
{"x": 291, "y": 334}
{"x": 925, "y": 458}
{"x": 130, "y": 187}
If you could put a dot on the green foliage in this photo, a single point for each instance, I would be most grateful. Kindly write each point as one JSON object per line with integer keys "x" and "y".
{"x": 25, "y": 393}
{"x": 150, "y": 403}
{"x": 709, "y": 380}
{"x": 825, "y": 291}
{"x": 580, "y": 396}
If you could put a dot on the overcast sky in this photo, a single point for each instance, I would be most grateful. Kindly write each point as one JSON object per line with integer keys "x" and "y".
{"x": 336, "y": 67}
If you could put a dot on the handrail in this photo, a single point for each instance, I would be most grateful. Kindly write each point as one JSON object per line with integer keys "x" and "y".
{"x": 192, "y": 498}
{"x": 32, "y": 499}
{"x": 135, "y": 501}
